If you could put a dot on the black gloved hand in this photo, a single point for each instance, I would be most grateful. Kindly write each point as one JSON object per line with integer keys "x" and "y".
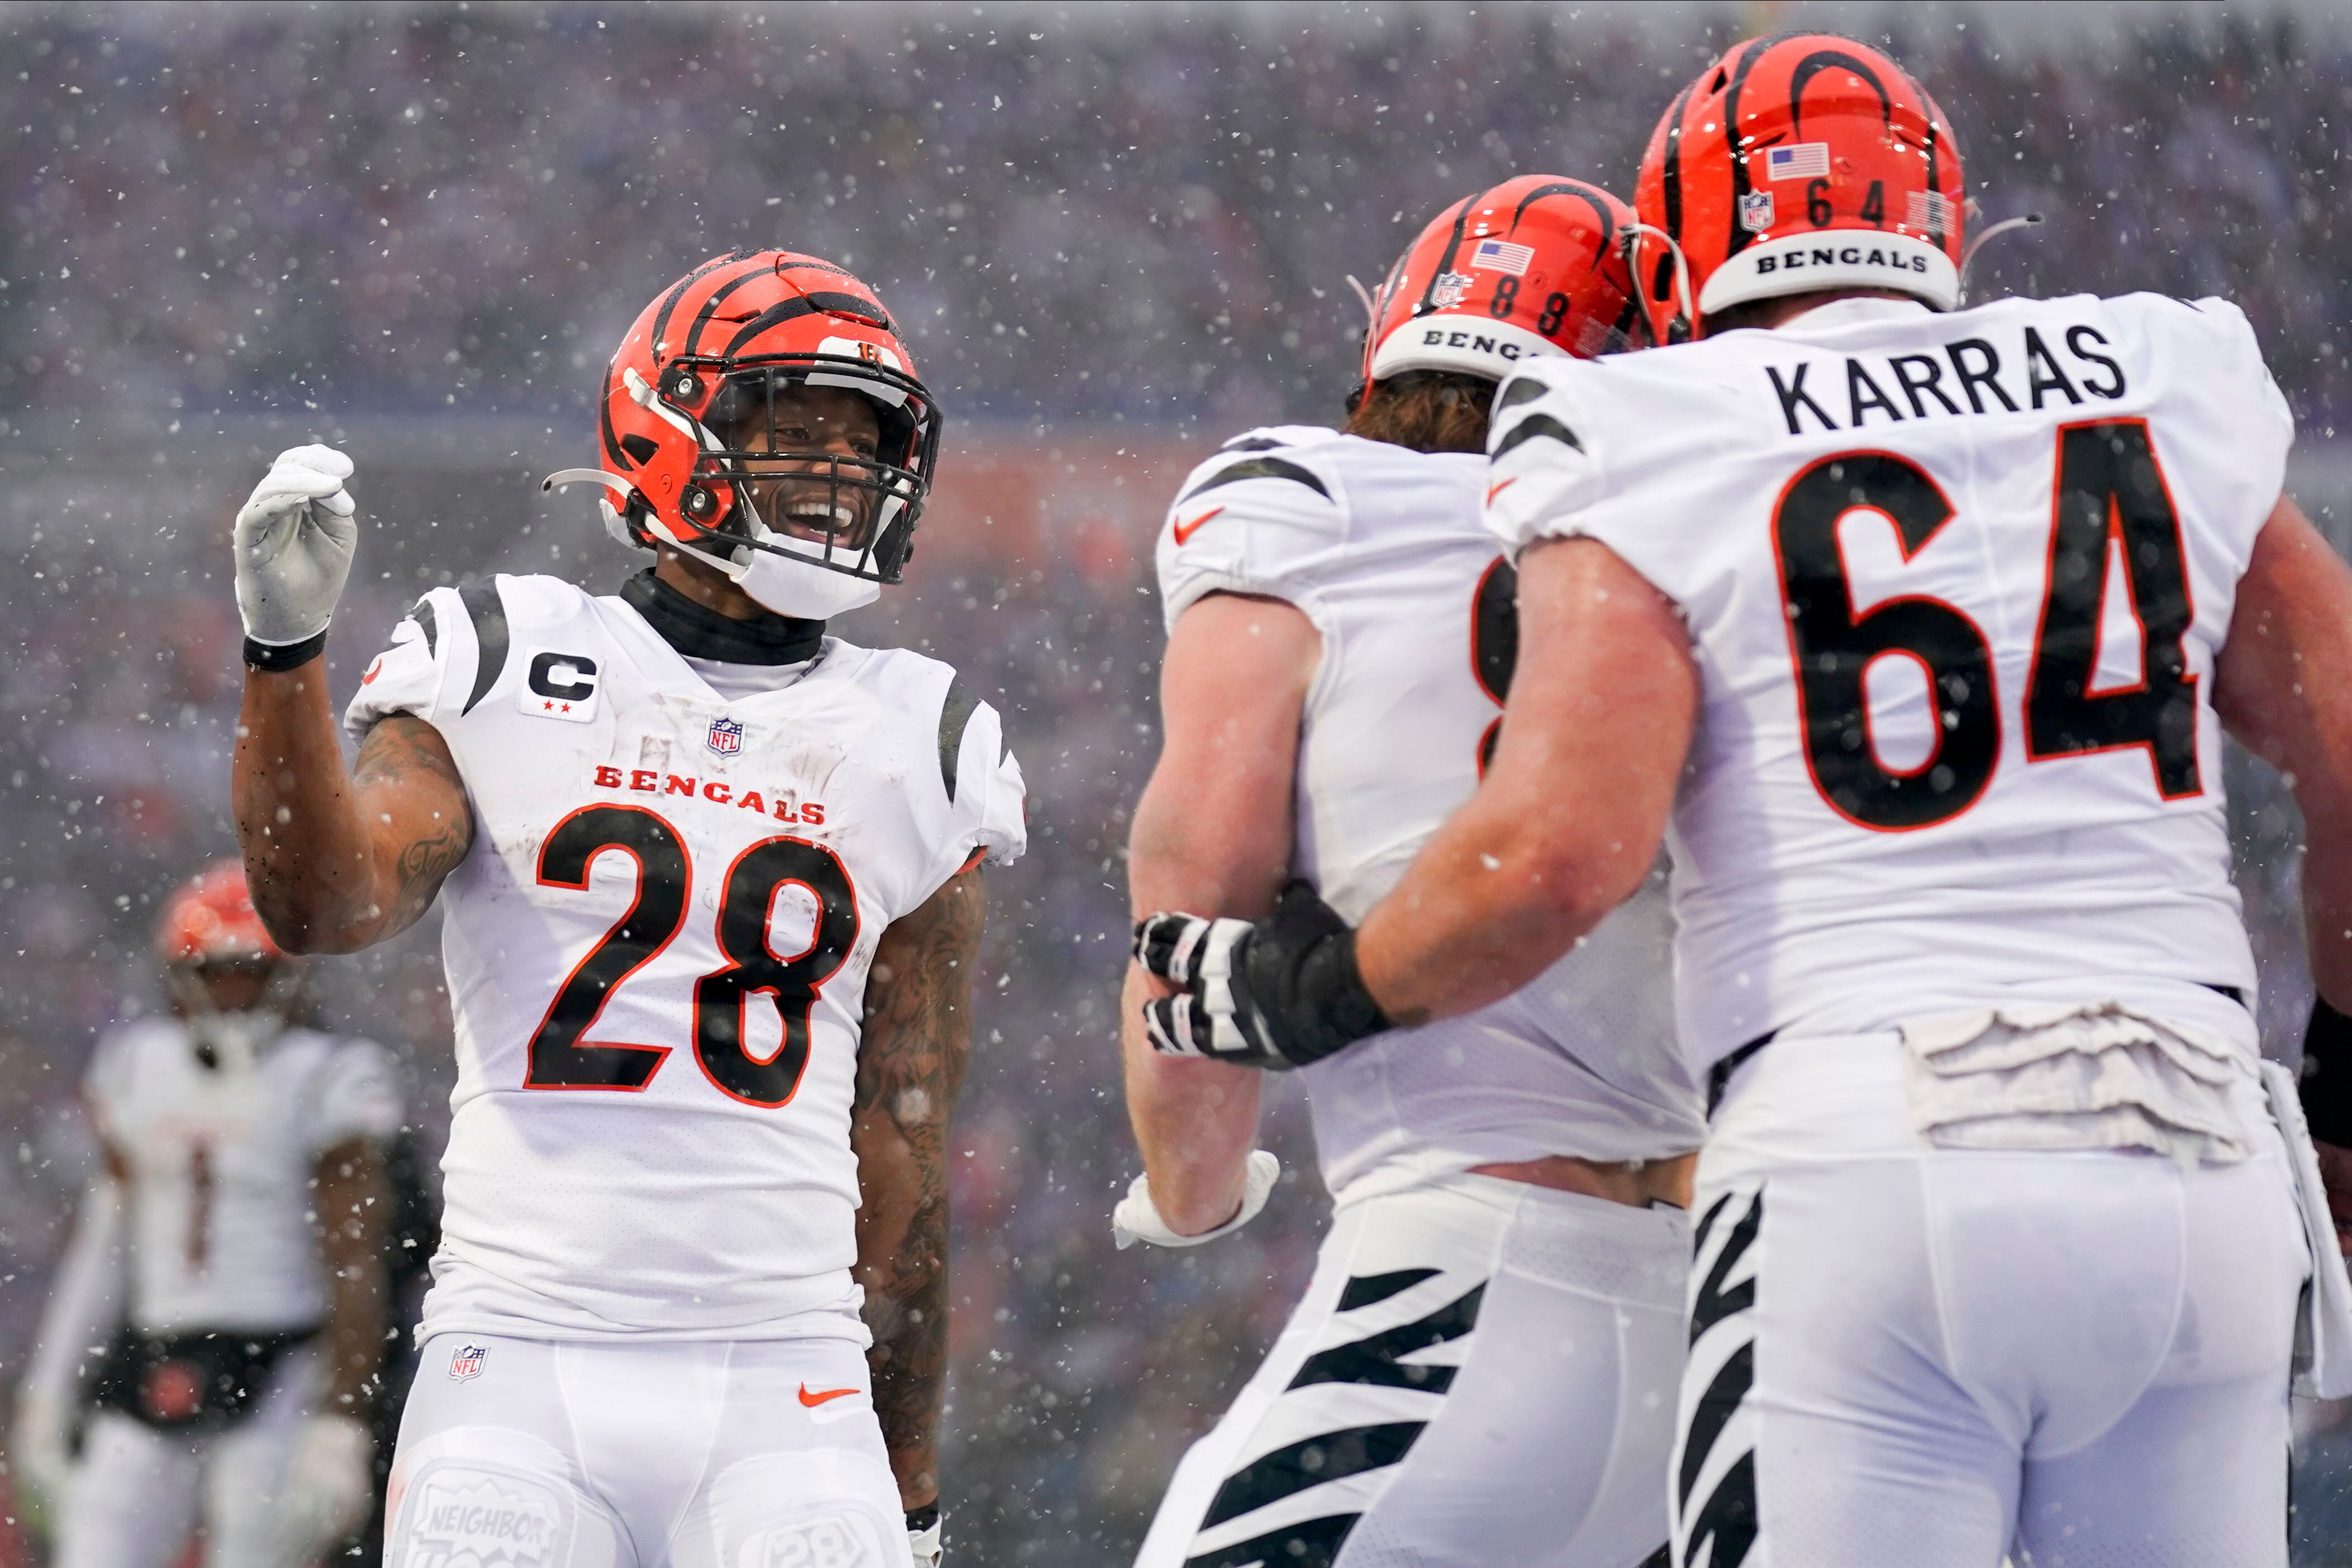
{"x": 1275, "y": 995}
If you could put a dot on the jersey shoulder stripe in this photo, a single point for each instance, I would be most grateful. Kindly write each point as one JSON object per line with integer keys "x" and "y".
{"x": 955, "y": 714}
{"x": 488, "y": 611}
{"x": 422, "y": 613}
{"x": 1259, "y": 468}
{"x": 1536, "y": 426}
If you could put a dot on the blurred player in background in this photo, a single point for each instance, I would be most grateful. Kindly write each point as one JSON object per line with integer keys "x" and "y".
{"x": 1483, "y": 1369}
{"x": 1922, "y": 627}
{"x": 211, "y": 1343}
{"x": 713, "y": 902}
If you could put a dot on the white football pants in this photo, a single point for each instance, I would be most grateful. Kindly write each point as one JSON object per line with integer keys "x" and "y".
{"x": 1924, "y": 1357}
{"x": 662, "y": 1454}
{"x": 137, "y": 1494}
{"x": 1482, "y": 1374}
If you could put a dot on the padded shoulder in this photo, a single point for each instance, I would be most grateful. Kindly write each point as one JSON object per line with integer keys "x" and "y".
{"x": 1254, "y": 517}
{"x": 114, "y": 1067}
{"x": 927, "y": 702}
{"x": 449, "y": 652}
{"x": 1542, "y": 449}
{"x": 982, "y": 806}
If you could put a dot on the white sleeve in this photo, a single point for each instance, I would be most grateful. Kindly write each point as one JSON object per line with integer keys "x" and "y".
{"x": 987, "y": 806}
{"x": 2229, "y": 418}
{"x": 1542, "y": 469}
{"x": 407, "y": 676}
{"x": 354, "y": 1094}
{"x": 110, "y": 1078}
{"x": 85, "y": 1304}
{"x": 999, "y": 797}
{"x": 1256, "y": 518}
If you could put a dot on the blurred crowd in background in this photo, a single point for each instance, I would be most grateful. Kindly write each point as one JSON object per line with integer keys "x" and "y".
{"x": 1112, "y": 240}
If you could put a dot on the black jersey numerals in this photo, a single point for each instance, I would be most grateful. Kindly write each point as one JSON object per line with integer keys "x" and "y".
{"x": 793, "y": 982}
{"x": 561, "y": 1057}
{"x": 1494, "y": 644}
{"x": 1834, "y": 648}
{"x": 2111, "y": 493}
{"x": 2109, "y": 490}
{"x": 559, "y": 1060}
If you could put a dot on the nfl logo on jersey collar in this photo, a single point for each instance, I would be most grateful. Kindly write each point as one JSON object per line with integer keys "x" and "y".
{"x": 726, "y": 736}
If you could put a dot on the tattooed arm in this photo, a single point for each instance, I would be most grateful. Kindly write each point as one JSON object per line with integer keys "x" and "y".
{"x": 340, "y": 858}
{"x": 351, "y": 1199}
{"x": 910, "y": 1067}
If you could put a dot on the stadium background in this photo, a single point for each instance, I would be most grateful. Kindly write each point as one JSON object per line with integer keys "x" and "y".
{"x": 1115, "y": 235}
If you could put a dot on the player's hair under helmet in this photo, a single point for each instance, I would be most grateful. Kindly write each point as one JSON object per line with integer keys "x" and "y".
{"x": 1793, "y": 163}
{"x": 1534, "y": 265}
{"x": 694, "y": 453}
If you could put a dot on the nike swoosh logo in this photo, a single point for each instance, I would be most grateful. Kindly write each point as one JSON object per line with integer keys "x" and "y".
{"x": 1186, "y": 530}
{"x": 821, "y": 1395}
{"x": 1498, "y": 489}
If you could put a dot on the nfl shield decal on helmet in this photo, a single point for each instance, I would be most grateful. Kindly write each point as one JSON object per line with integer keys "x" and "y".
{"x": 1755, "y": 211}
{"x": 467, "y": 1362}
{"x": 726, "y": 737}
{"x": 1449, "y": 289}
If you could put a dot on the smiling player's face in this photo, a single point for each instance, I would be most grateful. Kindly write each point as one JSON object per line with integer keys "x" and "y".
{"x": 805, "y": 426}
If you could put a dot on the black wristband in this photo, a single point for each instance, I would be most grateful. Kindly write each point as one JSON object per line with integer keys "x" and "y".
{"x": 922, "y": 1519}
{"x": 277, "y": 658}
{"x": 2327, "y": 1085}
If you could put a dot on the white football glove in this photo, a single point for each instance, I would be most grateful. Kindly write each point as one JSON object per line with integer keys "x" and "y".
{"x": 294, "y": 540}
{"x": 39, "y": 1462}
{"x": 1137, "y": 1217}
{"x": 329, "y": 1481}
{"x": 923, "y": 1545}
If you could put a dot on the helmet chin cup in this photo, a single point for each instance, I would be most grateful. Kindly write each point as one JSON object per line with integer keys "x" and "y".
{"x": 800, "y": 588}
{"x": 803, "y": 589}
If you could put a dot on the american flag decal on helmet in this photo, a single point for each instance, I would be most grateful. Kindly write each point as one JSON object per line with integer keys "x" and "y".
{"x": 1502, "y": 256}
{"x": 1805, "y": 160}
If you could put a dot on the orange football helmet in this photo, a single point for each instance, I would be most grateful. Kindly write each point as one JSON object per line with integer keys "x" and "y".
{"x": 1804, "y": 161}
{"x": 1534, "y": 265}
{"x": 688, "y": 457}
{"x": 211, "y": 920}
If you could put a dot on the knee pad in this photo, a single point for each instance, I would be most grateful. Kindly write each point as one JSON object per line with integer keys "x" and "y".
{"x": 801, "y": 1510}
{"x": 458, "y": 1506}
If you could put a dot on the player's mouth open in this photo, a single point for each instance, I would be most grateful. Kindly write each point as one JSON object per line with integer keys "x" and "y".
{"x": 816, "y": 512}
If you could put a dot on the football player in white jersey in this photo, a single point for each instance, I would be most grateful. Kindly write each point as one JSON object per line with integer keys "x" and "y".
{"x": 711, "y": 902}
{"x": 1483, "y": 1369}
{"x": 1914, "y": 631}
{"x": 221, "y": 1308}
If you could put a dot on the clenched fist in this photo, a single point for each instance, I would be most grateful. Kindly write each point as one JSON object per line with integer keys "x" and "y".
{"x": 294, "y": 540}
